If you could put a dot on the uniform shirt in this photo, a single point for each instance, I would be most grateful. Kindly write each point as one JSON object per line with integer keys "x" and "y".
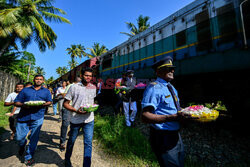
{"x": 80, "y": 95}
{"x": 158, "y": 96}
{"x": 11, "y": 97}
{"x": 31, "y": 94}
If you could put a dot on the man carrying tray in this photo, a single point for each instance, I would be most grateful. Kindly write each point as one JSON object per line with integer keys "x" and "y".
{"x": 160, "y": 108}
{"x": 31, "y": 117}
{"x": 80, "y": 94}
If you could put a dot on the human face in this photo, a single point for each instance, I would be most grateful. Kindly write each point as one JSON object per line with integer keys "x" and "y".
{"x": 87, "y": 77}
{"x": 166, "y": 73}
{"x": 19, "y": 88}
{"x": 64, "y": 84}
{"x": 38, "y": 81}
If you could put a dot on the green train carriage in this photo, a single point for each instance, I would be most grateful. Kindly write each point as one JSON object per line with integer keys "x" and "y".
{"x": 206, "y": 41}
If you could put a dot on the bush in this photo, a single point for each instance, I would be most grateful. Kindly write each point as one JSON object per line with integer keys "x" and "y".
{"x": 128, "y": 142}
{"x": 3, "y": 118}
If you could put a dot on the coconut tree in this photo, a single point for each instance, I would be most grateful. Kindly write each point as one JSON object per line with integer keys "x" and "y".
{"x": 26, "y": 20}
{"x": 40, "y": 70}
{"x": 30, "y": 61}
{"x": 64, "y": 70}
{"x": 50, "y": 80}
{"x": 72, "y": 64}
{"x": 59, "y": 71}
{"x": 142, "y": 25}
{"x": 97, "y": 50}
{"x": 76, "y": 51}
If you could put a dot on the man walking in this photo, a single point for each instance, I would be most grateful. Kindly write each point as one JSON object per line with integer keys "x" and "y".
{"x": 80, "y": 94}
{"x": 129, "y": 102}
{"x": 31, "y": 118}
{"x": 60, "y": 93}
{"x": 160, "y": 108}
{"x": 15, "y": 110}
{"x": 66, "y": 119}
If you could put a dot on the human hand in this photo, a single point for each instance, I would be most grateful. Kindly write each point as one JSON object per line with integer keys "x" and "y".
{"x": 183, "y": 115}
{"x": 81, "y": 111}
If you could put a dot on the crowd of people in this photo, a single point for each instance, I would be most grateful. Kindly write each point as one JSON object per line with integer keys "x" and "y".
{"x": 160, "y": 106}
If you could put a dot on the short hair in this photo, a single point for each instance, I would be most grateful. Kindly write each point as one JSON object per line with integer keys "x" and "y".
{"x": 19, "y": 83}
{"x": 38, "y": 75}
{"x": 28, "y": 83}
{"x": 87, "y": 70}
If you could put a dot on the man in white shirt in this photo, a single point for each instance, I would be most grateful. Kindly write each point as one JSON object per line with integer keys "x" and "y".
{"x": 15, "y": 110}
{"x": 60, "y": 93}
{"x": 80, "y": 94}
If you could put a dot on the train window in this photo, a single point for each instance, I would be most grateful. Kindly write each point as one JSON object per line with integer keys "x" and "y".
{"x": 181, "y": 38}
{"x": 204, "y": 37}
{"x": 107, "y": 62}
{"x": 227, "y": 23}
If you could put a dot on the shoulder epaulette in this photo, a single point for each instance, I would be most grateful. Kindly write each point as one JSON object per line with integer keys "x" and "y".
{"x": 153, "y": 83}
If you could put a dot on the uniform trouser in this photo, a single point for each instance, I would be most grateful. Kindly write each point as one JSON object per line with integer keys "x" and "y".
{"x": 65, "y": 124}
{"x": 60, "y": 107}
{"x": 168, "y": 147}
{"x": 129, "y": 118}
{"x": 88, "y": 129}
{"x": 22, "y": 129}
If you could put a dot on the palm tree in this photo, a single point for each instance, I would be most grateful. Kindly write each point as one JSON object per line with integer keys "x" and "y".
{"x": 25, "y": 20}
{"x": 76, "y": 51}
{"x": 64, "y": 70}
{"x": 30, "y": 61}
{"x": 72, "y": 64}
{"x": 51, "y": 79}
{"x": 97, "y": 50}
{"x": 59, "y": 71}
{"x": 142, "y": 25}
{"x": 40, "y": 70}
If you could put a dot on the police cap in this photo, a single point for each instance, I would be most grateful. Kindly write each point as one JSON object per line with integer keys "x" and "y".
{"x": 165, "y": 62}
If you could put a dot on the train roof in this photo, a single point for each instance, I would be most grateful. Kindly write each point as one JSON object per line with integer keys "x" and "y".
{"x": 161, "y": 24}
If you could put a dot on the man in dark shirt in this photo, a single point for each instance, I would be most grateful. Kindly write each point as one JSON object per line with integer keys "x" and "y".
{"x": 31, "y": 118}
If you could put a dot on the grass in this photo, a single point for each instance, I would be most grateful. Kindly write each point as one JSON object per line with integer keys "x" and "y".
{"x": 3, "y": 118}
{"x": 124, "y": 141}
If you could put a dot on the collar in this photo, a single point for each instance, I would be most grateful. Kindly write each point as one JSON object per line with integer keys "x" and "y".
{"x": 38, "y": 89}
{"x": 162, "y": 81}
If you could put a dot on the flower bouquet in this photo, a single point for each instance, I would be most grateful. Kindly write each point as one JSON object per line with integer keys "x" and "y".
{"x": 90, "y": 107}
{"x": 140, "y": 86}
{"x": 204, "y": 114}
{"x": 35, "y": 103}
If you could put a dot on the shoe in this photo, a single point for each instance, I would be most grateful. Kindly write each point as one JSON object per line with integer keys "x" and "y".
{"x": 62, "y": 147}
{"x": 29, "y": 162}
{"x": 21, "y": 150}
{"x": 59, "y": 120}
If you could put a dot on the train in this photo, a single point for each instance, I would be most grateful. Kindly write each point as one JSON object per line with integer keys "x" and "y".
{"x": 209, "y": 42}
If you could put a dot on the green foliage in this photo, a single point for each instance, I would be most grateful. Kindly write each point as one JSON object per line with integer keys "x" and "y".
{"x": 25, "y": 20}
{"x": 142, "y": 25}
{"x": 217, "y": 106}
{"x": 50, "y": 80}
{"x": 97, "y": 50}
{"x": 124, "y": 141}
{"x": 3, "y": 118}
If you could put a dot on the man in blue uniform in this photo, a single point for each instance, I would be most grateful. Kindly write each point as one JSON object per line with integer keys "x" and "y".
{"x": 160, "y": 108}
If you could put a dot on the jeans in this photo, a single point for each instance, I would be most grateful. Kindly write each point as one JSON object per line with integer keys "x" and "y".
{"x": 65, "y": 124}
{"x": 60, "y": 107}
{"x": 22, "y": 129}
{"x": 88, "y": 129}
{"x": 55, "y": 108}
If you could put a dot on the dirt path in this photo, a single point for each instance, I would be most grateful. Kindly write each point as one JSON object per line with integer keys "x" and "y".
{"x": 48, "y": 154}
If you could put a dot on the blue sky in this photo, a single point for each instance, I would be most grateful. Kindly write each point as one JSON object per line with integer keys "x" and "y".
{"x": 98, "y": 21}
